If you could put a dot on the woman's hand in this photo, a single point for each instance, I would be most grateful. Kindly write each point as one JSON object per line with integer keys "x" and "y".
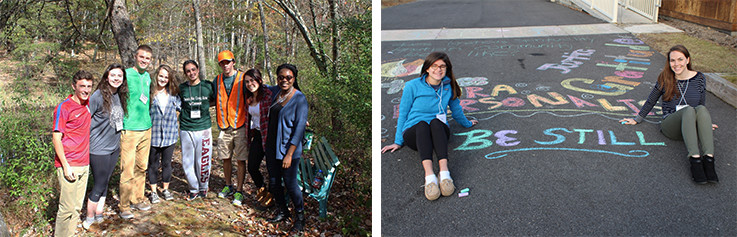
{"x": 714, "y": 126}
{"x": 628, "y": 121}
{"x": 287, "y": 161}
{"x": 474, "y": 122}
{"x": 392, "y": 148}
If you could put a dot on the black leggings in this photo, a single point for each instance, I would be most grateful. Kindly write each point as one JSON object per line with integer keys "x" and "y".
{"x": 255, "y": 157}
{"x": 425, "y": 138}
{"x": 102, "y": 169}
{"x": 164, "y": 155}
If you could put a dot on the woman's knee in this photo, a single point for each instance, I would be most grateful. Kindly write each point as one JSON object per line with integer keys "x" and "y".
{"x": 701, "y": 109}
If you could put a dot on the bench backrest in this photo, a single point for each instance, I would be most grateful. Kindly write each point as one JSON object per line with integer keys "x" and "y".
{"x": 325, "y": 160}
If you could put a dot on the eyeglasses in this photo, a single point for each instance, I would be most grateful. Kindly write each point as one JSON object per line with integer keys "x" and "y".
{"x": 441, "y": 67}
{"x": 288, "y": 78}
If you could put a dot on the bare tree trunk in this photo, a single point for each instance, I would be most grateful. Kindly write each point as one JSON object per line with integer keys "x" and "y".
{"x": 123, "y": 31}
{"x": 267, "y": 61}
{"x": 200, "y": 42}
{"x": 318, "y": 55}
{"x": 334, "y": 34}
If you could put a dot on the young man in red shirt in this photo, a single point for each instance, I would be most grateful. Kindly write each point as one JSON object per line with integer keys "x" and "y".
{"x": 71, "y": 139}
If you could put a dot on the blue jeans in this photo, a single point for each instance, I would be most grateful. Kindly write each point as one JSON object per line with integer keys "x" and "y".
{"x": 289, "y": 176}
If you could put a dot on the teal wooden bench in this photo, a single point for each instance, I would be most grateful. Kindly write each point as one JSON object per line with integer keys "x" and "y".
{"x": 322, "y": 158}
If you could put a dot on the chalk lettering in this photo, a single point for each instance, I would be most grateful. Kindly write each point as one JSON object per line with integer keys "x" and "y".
{"x": 570, "y": 61}
{"x": 474, "y": 137}
{"x": 503, "y": 140}
{"x": 558, "y": 138}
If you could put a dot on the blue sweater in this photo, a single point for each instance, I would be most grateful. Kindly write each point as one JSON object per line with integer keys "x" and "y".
{"x": 291, "y": 123}
{"x": 420, "y": 102}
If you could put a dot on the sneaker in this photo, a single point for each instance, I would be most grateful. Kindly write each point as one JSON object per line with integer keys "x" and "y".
{"x": 237, "y": 198}
{"x": 154, "y": 198}
{"x": 432, "y": 191}
{"x": 167, "y": 195}
{"x": 126, "y": 215}
{"x": 143, "y": 206}
{"x": 202, "y": 194}
{"x": 192, "y": 196}
{"x": 227, "y": 191}
{"x": 446, "y": 187}
{"x": 99, "y": 219}
{"x": 88, "y": 222}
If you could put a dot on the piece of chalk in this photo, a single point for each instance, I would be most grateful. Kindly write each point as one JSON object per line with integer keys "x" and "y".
{"x": 624, "y": 122}
{"x": 462, "y": 194}
{"x": 465, "y": 190}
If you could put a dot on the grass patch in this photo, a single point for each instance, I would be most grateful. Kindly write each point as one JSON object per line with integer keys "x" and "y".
{"x": 706, "y": 56}
{"x": 391, "y": 3}
{"x": 730, "y": 77}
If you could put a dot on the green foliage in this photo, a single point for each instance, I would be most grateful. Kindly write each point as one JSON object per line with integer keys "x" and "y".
{"x": 26, "y": 152}
{"x": 345, "y": 102}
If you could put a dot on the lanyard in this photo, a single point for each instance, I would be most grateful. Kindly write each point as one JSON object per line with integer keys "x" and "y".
{"x": 440, "y": 98}
{"x": 683, "y": 93}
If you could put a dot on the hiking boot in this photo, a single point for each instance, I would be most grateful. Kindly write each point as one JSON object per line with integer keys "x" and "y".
{"x": 281, "y": 216}
{"x": 192, "y": 196}
{"x": 237, "y": 198}
{"x": 167, "y": 195}
{"x": 432, "y": 191}
{"x": 142, "y": 206}
{"x": 227, "y": 191}
{"x": 126, "y": 215}
{"x": 446, "y": 187}
{"x": 299, "y": 222}
{"x": 154, "y": 198}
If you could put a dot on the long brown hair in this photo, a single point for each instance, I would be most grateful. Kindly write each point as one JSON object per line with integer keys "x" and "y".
{"x": 256, "y": 75}
{"x": 107, "y": 90}
{"x": 172, "y": 87}
{"x": 435, "y": 56}
{"x": 667, "y": 78}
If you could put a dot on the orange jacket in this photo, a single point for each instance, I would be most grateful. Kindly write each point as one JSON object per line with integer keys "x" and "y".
{"x": 231, "y": 109}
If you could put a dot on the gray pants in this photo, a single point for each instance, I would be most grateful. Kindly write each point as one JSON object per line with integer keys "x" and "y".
{"x": 196, "y": 156}
{"x": 690, "y": 125}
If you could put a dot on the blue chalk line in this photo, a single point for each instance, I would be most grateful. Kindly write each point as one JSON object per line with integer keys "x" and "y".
{"x": 492, "y": 156}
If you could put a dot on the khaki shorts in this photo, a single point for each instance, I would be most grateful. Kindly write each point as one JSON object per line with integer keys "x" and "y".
{"x": 232, "y": 144}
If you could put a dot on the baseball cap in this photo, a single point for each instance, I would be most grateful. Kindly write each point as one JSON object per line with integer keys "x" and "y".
{"x": 225, "y": 55}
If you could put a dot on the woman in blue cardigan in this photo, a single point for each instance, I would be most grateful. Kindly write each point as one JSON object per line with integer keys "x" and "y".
{"x": 287, "y": 120}
{"x": 422, "y": 124}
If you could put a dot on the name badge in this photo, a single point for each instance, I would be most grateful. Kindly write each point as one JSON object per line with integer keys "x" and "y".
{"x": 144, "y": 99}
{"x": 679, "y": 107}
{"x": 195, "y": 114}
{"x": 119, "y": 126}
{"x": 442, "y": 117}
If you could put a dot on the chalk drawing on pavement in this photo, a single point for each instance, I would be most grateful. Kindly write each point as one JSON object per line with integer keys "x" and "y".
{"x": 569, "y": 62}
{"x": 503, "y": 153}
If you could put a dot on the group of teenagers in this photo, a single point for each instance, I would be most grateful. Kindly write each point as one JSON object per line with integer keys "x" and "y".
{"x": 138, "y": 119}
{"x": 422, "y": 124}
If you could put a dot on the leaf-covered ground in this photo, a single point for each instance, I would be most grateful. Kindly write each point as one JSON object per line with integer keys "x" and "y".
{"x": 213, "y": 216}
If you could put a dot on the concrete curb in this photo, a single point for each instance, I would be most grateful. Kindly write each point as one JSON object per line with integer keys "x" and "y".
{"x": 721, "y": 88}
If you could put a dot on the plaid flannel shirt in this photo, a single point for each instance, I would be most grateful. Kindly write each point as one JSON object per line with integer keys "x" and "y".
{"x": 264, "y": 106}
{"x": 165, "y": 127}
